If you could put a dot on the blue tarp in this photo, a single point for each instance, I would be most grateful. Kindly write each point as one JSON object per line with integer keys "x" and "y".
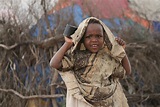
{"x": 156, "y": 25}
{"x": 58, "y": 20}
{"x": 73, "y": 15}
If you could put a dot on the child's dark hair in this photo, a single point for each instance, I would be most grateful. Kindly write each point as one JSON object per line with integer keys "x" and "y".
{"x": 93, "y": 21}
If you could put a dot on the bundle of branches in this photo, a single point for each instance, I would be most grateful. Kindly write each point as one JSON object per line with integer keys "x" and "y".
{"x": 25, "y": 73}
{"x": 142, "y": 85}
{"x": 24, "y": 68}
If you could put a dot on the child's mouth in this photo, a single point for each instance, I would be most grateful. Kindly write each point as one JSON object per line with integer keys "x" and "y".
{"x": 94, "y": 46}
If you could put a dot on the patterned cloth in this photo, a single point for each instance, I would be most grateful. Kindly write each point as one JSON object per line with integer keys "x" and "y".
{"x": 92, "y": 79}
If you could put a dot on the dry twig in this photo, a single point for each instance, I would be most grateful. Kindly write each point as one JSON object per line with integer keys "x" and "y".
{"x": 30, "y": 97}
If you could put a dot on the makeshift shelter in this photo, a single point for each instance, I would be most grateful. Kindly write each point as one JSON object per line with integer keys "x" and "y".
{"x": 117, "y": 15}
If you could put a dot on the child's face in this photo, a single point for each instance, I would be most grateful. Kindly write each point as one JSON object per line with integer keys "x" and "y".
{"x": 94, "y": 38}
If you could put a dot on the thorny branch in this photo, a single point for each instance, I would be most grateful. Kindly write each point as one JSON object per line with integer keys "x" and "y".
{"x": 32, "y": 96}
{"x": 50, "y": 42}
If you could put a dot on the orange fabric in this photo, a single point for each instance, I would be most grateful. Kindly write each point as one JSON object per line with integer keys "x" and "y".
{"x": 132, "y": 15}
{"x": 60, "y": 5}
{"x": 107, "y": 8}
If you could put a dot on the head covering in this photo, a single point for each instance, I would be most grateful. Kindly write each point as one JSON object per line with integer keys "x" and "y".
{"x": 116, "y": 51}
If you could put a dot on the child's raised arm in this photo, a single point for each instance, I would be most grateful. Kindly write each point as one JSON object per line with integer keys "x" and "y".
{"x": 125, "y": 61}
{"x": 126, "y": 65}
{"x": 57, "y": 58}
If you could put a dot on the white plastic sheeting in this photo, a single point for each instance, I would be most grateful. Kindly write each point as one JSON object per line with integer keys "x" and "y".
{"x": 149, "y": 9}
{"x": 25, "y": 10}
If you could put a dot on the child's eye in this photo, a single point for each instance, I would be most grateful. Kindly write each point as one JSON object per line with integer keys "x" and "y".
{"x": 93, "y": 36}
{"x": 89, "y": 36}
{"x": 99, "y": 36}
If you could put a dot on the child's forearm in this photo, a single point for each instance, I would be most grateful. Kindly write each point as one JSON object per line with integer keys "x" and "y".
{"x": 57, "y": 58}
{"x": 126, "y": 65}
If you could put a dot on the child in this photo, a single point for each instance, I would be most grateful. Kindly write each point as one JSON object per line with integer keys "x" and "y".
{"x": 91, "y": 64}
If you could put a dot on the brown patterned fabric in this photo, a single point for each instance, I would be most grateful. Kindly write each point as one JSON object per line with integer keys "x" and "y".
{"x": 96, "y": 75}
{"x": 92, "y": 79}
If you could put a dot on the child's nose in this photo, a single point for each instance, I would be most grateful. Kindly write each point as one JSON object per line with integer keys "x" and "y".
{"x": 94, "y": 38}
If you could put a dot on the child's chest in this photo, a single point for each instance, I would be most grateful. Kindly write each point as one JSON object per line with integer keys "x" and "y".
{"x": 93, "y": 67}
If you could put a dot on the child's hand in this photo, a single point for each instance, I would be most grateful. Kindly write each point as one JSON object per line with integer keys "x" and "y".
{"x": 68, "y": 41}
{"x": 121, "y": 42}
